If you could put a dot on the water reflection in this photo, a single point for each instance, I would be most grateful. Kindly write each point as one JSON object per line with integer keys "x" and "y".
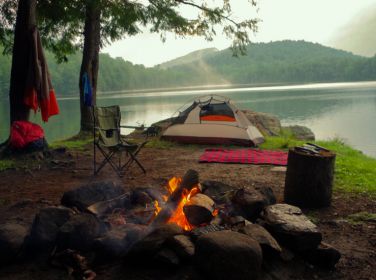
{"x": 343, "y": 110}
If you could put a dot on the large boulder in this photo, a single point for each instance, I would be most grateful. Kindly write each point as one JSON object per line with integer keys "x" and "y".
{"x": 46, "y": 226}
{"x": 291, "y": 227}
{"x": 268, "y": 124}
{"x": 218, "y": 191}
{"x": 262, "y": 236}
{"x": 325, "y": 256}
{"x": 117, "y": 241}
{"x": 250, "y": 202}
{"x": 91, "y": 193}
{"x": 79, "y": 232}
{"x": 182, "y": 245}
{"x": 228, "y": 255}
{"x": 300, "y": 132}
{"x": 12, "y": 236}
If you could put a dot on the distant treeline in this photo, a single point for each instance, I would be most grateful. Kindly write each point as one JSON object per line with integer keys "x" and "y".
{"x": 275, "y": 62}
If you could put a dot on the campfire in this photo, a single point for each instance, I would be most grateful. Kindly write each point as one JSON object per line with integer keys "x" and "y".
{"x": 190, "y": 209}
{"x": 191, "y": 223}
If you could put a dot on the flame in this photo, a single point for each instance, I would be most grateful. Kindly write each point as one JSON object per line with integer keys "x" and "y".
{"x": 179, "y": 217}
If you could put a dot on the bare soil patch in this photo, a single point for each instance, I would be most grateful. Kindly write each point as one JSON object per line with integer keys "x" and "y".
{"x": 23, "y": 192}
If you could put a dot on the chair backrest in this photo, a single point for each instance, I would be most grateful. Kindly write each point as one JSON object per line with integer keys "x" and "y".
{"x": 107, "y": 121}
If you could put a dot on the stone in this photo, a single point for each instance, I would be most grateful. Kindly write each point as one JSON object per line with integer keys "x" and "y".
{"x": 117, "y": 241}
{"x": 268, "y": 194}
{"x": 79, "y": 232}
{"x": 102, "y": 208}
{"x": 262, "y": 236}
{"x": 300, "y": 132}
{"x": 228, "y": 255}
{"x": 152, "y": 242}
{"x": 291, "y": 227}
{"x": 91, "y": 193}
{"x": 182, "y": 246}
{"x": 250, "y": 202}
{"x": 167, "y": 256}
{"x": 268, "y": 124}
{"x": 141, "y": 197}
{"x": 218, "y": 191}
{"x": 46, "y": 226}
{"x": 12, "y": 236}
{"x": 325, "y": 256}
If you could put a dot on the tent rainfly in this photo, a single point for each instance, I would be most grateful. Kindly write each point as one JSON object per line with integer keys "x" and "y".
{"x": 213, "y": 120}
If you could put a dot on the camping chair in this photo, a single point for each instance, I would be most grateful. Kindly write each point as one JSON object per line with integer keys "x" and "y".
{"x": 108, "y": 140}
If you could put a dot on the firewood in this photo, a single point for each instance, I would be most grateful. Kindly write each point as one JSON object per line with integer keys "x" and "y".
{"x": 199, "y": 209}
{"x": 190, "y": 180}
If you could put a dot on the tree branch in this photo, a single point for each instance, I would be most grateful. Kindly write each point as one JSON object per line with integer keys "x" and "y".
{"x": 207, "y": 10}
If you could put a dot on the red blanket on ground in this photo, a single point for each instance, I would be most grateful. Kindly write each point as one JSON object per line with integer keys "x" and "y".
{"x": 248, "y": 156}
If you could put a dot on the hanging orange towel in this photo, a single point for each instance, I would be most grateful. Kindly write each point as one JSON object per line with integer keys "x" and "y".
{"x": 39, "y": 91}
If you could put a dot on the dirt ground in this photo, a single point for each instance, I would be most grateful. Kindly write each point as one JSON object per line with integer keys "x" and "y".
{"x": 23, "y": 192}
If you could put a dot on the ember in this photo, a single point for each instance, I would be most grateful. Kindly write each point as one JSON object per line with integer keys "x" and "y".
{"x": 178, "y": 216}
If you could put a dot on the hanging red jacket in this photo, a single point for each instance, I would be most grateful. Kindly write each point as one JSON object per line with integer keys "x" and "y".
{"x": 39, "y": 91}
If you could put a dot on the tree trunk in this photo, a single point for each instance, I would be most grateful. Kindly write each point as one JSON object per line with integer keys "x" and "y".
{"x": 26, "y": 19}
{"x": 90, "y": 60}
{"x": 309, "y": 179}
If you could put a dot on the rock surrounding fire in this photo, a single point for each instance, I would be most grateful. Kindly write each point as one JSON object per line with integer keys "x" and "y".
{"x": 209, "y": 228}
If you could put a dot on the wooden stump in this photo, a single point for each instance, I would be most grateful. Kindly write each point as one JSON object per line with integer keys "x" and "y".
{"x": 309, "y": 179}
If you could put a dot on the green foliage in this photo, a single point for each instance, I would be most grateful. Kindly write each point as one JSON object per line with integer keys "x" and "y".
{"x": 276, "y": 62}
{"x": 61, "y": 23}
{"x": 6, "y": 164}
{"x": 354, "y": 171}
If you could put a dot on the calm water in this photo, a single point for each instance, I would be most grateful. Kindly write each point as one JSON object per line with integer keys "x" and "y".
{"x": 345, "y": 110}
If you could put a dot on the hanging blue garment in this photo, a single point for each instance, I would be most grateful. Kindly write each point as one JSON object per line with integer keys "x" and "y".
{"x": 88, "y": 93}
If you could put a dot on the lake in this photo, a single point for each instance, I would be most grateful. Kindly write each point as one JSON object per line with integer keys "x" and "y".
{"x": 344, "y": 110}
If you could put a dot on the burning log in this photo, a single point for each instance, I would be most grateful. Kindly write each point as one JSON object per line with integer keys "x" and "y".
{"x": 199, "y": 210}
{"x": 189, "y": 181}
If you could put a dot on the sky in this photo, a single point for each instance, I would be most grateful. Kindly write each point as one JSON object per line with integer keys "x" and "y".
{"x": 310, "y": 20}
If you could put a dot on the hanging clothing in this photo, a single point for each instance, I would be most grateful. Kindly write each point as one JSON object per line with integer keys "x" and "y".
{"x": 88, "y": 92}
{"x": 39, "y": 91}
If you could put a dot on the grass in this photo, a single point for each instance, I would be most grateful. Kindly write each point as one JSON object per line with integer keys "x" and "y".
{"x": 359, "y": 218}
{"x": 354, "y": 171}
{"x": 160, "y": 144}
{"x": 6, "y": 164}
{"x": 78, "y": 142}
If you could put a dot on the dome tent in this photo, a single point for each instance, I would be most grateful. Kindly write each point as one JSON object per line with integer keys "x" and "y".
{"x": 213, "y": 119}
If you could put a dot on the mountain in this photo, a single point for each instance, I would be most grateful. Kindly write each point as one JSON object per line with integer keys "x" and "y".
{"x": 274, "y": 62}
{"x": 189, "y": 58}
{"x": 283, "y": 61}
{"x": 358, "y": 35}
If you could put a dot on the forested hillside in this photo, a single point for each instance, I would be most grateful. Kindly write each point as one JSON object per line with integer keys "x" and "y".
{"x": 275, "y": 62}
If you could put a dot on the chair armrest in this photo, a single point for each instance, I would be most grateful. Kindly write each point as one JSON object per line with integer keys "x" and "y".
{"x": 133, "y": 126}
